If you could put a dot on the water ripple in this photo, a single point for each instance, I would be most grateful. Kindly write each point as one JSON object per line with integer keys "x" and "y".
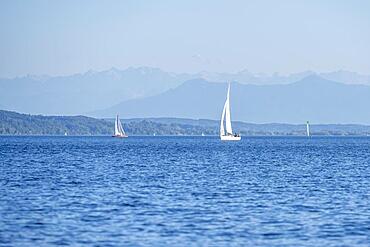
{"x": 167, "y": 191}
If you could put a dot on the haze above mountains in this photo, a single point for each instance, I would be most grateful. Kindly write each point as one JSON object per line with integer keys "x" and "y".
{"x": 334, "y": 97}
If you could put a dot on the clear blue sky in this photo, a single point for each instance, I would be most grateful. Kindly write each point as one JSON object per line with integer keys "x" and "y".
{"x": 64, "y": 37}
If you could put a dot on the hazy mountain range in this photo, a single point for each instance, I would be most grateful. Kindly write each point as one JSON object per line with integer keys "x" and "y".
{"x": 312, "y": 98}
{"x": 79, "y": 93}
{"x": 247, "y": 77}
{"x": 332, "y": 97}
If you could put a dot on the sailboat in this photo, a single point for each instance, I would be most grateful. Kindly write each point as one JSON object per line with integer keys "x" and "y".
{"x": 118, "y": 130}
{"x": 308, "y": 129}
{"x": 227, "y": 134}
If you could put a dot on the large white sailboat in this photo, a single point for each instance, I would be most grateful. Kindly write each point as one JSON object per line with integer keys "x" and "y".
{"x": 118, "y": 130}
{"x": 226, "y": 131}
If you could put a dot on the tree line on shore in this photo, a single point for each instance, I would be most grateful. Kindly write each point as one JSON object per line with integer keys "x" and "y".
{"x": 13, "y": 123}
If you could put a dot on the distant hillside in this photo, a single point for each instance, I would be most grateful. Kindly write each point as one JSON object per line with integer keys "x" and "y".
{"x": 12, "y": 123}
{"x": 312, "y": 98}
{"x": 211, "y": 127}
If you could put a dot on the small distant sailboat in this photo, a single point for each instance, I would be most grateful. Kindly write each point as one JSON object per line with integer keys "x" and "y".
{"x": 308, "y": 129}
{"x": 228, "y": 134}
{"x": 118, "y": 130}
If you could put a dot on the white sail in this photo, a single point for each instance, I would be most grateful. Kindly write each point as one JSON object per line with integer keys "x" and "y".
{"x": 222, "y": 129}
{"x": 118, "y": 130}
{"x": 226, "y": 117}
{"x": 229, "y": 130}
{"x": 308, "y": 129}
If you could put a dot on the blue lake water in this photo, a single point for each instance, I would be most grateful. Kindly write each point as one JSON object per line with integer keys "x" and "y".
{"x": 166, "y": 191}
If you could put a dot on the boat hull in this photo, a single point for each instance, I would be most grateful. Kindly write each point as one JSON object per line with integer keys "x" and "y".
{"x": 230, "y": 138}
{"x": 118, "y": 136}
